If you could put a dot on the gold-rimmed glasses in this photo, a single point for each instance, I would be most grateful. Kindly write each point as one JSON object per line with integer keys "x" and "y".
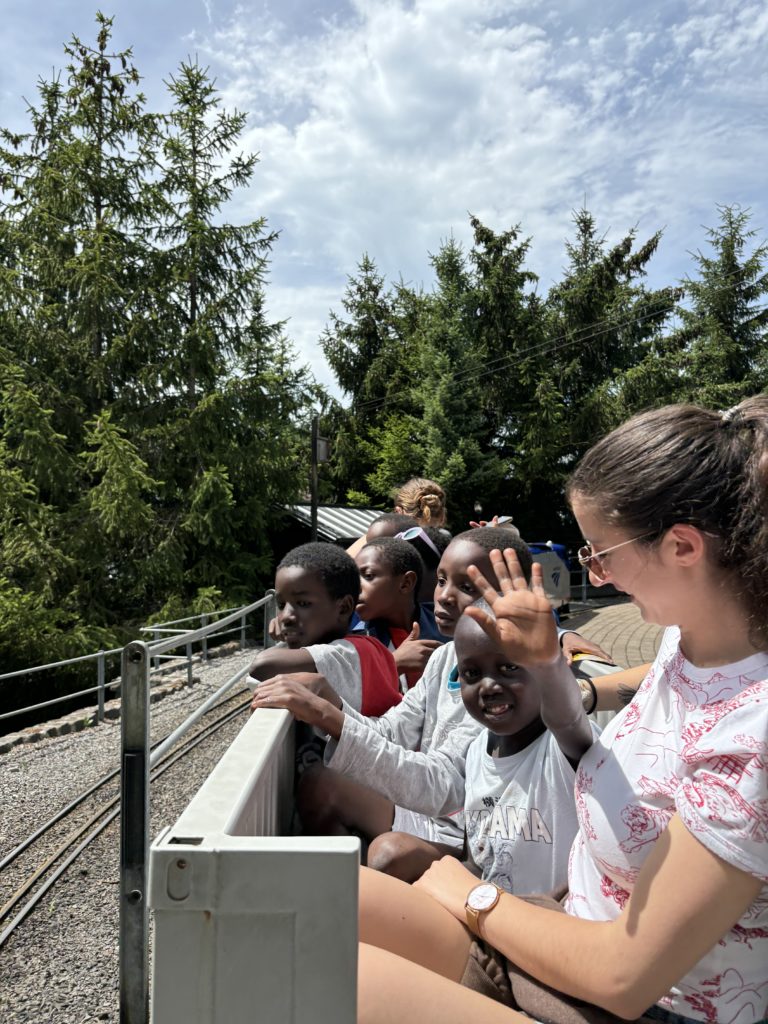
{"x": 591, "y": 559}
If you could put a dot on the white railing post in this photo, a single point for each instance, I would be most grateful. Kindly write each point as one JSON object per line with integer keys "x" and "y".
{"x": 270, "y": 610}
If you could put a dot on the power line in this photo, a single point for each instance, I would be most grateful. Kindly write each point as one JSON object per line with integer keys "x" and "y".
{"x": 587, "y": 333}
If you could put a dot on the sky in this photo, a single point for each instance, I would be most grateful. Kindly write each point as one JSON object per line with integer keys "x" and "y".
{"x": 382, "y": 124}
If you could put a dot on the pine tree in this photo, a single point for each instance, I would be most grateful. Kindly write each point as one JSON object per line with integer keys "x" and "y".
{"x": 375, "y": 364}
{"x": 604, "y": 335}
{"x": 724, "y": 324}
{"x": 150, "y": 416}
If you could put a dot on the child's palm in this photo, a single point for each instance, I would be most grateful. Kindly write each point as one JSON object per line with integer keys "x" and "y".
{"x": 523, "y": 625}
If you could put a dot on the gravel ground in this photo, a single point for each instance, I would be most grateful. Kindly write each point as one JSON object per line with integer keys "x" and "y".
{"x": 62, "y": 963}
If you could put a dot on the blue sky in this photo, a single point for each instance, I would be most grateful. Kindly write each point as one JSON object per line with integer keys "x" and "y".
{"x": 381, "y": 123}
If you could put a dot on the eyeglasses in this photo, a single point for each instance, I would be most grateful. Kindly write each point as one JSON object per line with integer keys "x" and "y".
{"x": 413, "y": 533}
{"x": 591, "y": 559}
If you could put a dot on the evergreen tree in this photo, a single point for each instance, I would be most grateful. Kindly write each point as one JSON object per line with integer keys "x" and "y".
{"x": 375, "y": 365}
{"x": 604, "y": 336}
{"x": 150, "y": 416}
{"x": 724, "y": 326}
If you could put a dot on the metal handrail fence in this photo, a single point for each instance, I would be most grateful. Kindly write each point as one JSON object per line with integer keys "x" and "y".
{"x": 185, "y": 637}
{"x": 135, "y": 763}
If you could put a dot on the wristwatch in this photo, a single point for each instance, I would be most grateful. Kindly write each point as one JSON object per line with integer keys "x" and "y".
{"x": 480, "y": 900}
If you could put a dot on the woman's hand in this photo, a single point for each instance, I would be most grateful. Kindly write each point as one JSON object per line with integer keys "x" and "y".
{"x": 574, "y": 643}
{"x": 288, "y": 691}
{"x": 524, "y": 626}
{"x": 448, "y": 882}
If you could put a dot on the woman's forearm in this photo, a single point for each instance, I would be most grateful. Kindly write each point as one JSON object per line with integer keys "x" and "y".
{"x": 612, "y": 690}
{"x": 685, "y": 899}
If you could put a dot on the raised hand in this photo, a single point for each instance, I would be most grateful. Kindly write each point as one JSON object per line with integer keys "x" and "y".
{"x": 524, "y": 626}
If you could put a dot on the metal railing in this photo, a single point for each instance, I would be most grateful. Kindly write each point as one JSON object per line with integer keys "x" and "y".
{"x": 135, "y": 762}
{"x": 159, "y": 645}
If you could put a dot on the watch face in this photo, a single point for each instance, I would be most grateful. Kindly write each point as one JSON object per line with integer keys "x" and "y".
{"x": 483, "y": 896}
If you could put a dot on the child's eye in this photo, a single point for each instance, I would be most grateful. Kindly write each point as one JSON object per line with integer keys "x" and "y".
{"x": 303, "y": 604}
{"x": 441, "y": 581}
{"x": 468, "y": 675}
{"x": 509, "y": 669}
{"x": 468, "y": 588}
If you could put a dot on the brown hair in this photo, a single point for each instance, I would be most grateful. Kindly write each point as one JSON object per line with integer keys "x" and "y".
{"x": 685, "y": 464}
{"x": 422, "y": 499}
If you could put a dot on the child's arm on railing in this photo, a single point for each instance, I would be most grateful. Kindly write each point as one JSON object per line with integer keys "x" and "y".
{"x": 273, "y": 660}
{"x": 305, "y": 698}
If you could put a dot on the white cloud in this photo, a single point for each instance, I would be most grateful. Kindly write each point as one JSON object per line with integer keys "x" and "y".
{"x": 380, "y": 124}
{"x": 381, "y": 133}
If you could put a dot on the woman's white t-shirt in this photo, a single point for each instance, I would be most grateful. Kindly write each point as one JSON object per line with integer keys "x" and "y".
{"x": 693, "y": 742}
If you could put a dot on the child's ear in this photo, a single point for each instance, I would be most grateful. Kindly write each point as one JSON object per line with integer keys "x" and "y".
{"x": 346, "y": 605}
{"x": 408, "y": 581}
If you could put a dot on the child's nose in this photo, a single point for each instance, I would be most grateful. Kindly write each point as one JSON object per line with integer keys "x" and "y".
{"x": 287, "y": 614}
{"x": 489, "y": 685}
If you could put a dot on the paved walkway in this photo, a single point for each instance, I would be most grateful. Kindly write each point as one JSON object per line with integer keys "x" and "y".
{"x": 619, "y": 630}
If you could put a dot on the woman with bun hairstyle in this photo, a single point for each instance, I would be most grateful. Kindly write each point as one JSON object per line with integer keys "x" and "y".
{"x": 422, "y": 499}
{"x": 666, "y": 914}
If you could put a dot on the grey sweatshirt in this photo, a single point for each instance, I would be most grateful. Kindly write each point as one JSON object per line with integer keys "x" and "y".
{"x": 414, "y": 754}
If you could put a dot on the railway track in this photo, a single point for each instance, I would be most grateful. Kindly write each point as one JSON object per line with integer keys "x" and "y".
{"x": 49, "y": 870}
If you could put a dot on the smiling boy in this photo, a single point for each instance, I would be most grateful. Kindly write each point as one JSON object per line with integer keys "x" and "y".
{"x": 519, "y": 809}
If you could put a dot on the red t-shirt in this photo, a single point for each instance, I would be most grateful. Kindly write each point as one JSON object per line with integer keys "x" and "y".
{"x": 380, "y": 682}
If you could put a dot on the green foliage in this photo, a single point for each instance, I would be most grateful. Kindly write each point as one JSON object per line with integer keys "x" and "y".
{"x": 151, "y": 418}
{"x": 496, "y": 392}
{"x": 724, "y": 324}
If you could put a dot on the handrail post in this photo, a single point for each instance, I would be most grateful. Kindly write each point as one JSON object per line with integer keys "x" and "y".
{"x": 242, "y": 633}
{"x": 204, "y": 641}
{"x": 100, "y": 684}
{"x": 189, "y": 664}
{"x": 270, "y": 610}
{"x": 134, "y": 835}
{"x": 584, "y": 584}
{"x": 155, "y": 661}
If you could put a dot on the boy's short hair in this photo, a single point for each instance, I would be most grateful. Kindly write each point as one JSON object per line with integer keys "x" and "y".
{"x": 399, "y": 556}
{"x": 336, "y": 570}
{"x": 497, "y": 538}
{"x": 399, "y": 521}
{"x": 440, "y": 538}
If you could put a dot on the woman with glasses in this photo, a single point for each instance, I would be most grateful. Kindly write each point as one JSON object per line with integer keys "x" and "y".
{"x": 666, "y": 915}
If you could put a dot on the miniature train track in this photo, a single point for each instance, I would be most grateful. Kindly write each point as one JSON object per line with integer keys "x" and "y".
{"x": 54, "y": 866}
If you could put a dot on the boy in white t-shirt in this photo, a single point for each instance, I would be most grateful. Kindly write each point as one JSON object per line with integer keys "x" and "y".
{"x": 317, "y": 587}
{"x": 519, "y": 809}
